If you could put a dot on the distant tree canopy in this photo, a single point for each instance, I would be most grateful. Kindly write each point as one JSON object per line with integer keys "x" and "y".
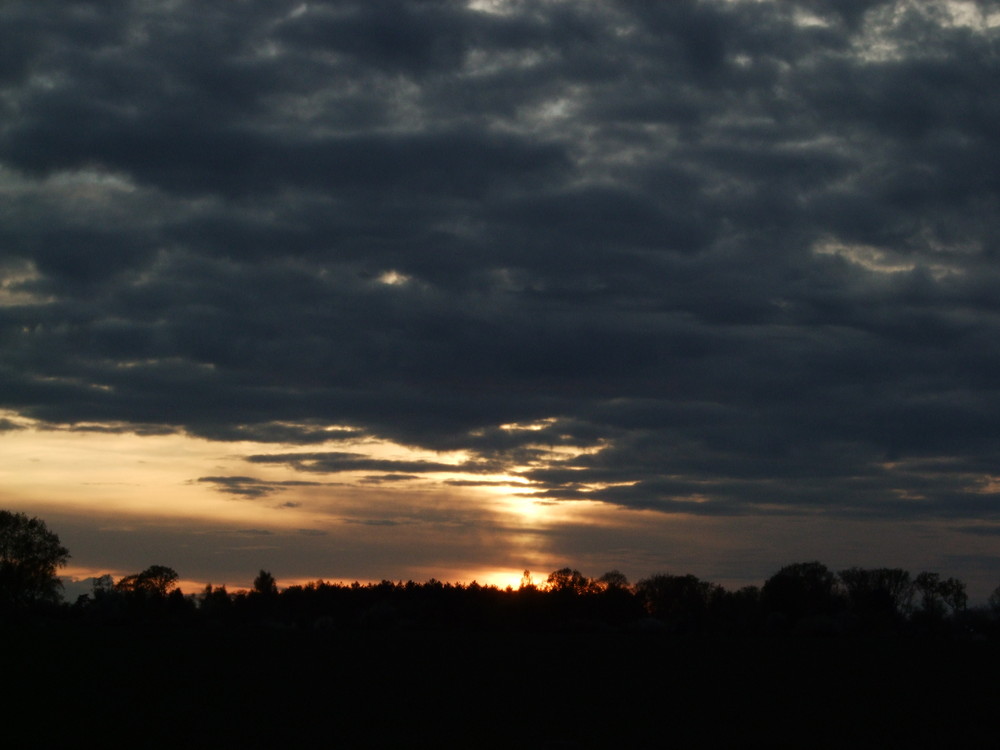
{"x": 613, "y": 580}
{"x": 568, "y": 580}
{"x": 155, "y": 581}
{"x": 802, "y": 590}
{"x": 878, "y": 592}
{"x": 30, "y": 554}
{"x": 682, "y": 602}
{"x": 938, "y": 595}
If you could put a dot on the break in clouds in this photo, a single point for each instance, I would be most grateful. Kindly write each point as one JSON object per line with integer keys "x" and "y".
{"x": 707, "y": 257}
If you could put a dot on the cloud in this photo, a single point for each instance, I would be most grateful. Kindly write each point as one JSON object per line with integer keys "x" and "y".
{"x": 253, "y": 488}
{"x": 333, "y": 462}
{"x": 7, "y": 425}
{"x": 383, "y": 478}
{"x": 980, "y": 530}
{"x": 721, "y": 257}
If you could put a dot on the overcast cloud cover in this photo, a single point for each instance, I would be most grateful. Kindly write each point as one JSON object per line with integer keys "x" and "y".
{"x": 727, "y": 258}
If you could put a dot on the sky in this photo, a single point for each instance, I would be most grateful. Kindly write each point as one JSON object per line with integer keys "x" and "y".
{"x": 401, "y": 290}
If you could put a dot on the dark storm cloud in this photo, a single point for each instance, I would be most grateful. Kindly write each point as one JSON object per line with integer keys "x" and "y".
{"x": 740, "y": 257}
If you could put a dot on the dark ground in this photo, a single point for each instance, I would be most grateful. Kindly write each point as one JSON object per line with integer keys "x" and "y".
{"x": 256, "y": 687}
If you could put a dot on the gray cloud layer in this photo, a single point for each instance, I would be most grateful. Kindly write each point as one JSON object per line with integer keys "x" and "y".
{"x": 745, "y": 253}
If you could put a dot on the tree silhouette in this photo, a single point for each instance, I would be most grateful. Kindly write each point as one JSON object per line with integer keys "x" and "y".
{"x": 215, "y": 601}
{"x": 265, "y": 585}
{"x": 877, "y": 594}
{"x": 953, "y": 592}
{"x": 994, "y": 601}
{"x": 29, "y": 557}
{"x": 568, "y": 580}
{"x": 932, "y": 603}
{"x": 613, "y": 580}
{"x": 682, "y": 602}
{"x": 102, "y": 586}
{"x": 802, "y": 590}
{"x": 155, "y": 581}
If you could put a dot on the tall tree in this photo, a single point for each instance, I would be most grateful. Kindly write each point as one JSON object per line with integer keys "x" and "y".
{"x": 264, "y": 584}
{"x": 30, "y": 554}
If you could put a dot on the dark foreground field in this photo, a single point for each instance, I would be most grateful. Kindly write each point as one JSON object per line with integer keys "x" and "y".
{"x": 117, "y": 687}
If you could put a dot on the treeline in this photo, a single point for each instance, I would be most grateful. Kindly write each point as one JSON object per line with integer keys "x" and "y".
{"x": 800, "y": 598}
{"x": 803, "y": 598}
